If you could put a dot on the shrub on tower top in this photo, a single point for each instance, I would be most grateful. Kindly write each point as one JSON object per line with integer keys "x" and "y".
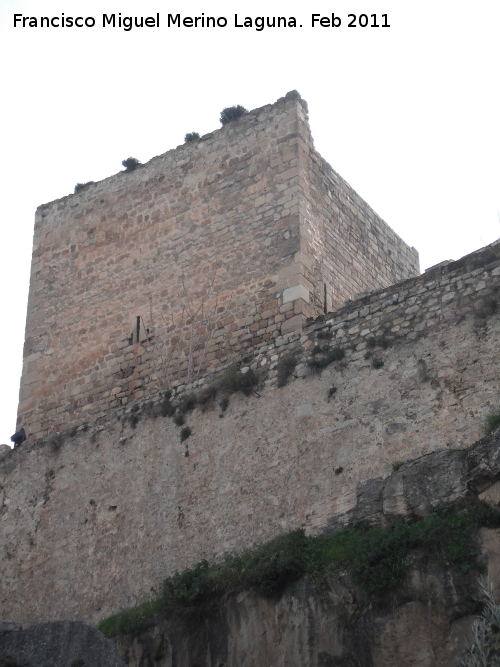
{"x": 131, "y": 163}
{"x": 232, "y": 113}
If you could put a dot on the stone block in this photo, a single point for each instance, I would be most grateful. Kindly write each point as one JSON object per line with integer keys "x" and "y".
{"x": 293, "y": 324}
{"x": 298, "y": 291}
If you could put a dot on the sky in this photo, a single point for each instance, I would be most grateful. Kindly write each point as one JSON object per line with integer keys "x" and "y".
{"x": 407, "y": 113}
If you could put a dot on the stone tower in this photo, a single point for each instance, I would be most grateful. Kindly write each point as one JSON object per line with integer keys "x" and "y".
{"x": 198, "y": 257}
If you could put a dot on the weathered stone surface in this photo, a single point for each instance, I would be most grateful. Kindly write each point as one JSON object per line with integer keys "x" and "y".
{"x": 426, "y": 624}
{"x": 261, "y": 470}
{"x": 418, "y": 486}
{"x": 492, "y": 495}
{"x": 405, "y": 638}
{"x": 421, "y": 485}
{"x": 483, "y": 463}
{"x": 331, "y": 627}
{"x": 8, "y": 627}
{"x": 4, "y": 451}
{"x": 58, "y": 644}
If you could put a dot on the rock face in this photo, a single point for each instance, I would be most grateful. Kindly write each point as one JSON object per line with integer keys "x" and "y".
{"x": 427, "y": 623}
{"x": 418, "y": 486}
{"x": 428, "y": 626}
{"x": 56, "y": 644}
{"x": 6, "y": 627}
{"x": 4, "y": 451}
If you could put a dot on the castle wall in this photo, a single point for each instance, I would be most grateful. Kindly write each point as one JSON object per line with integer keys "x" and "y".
{"x": 92, "y": 522}
{"x": 354, "y": 250}
{"x": 200, "y": 256}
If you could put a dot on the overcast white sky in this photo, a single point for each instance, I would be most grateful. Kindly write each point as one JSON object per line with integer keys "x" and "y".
{"x": 408, "y": 115}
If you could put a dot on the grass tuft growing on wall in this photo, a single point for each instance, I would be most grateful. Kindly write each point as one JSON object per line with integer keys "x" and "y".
{"x": 233, "y": 380}
{"x": 334, "y": 354}
{"x": 285, "y": 367}
{"x": 229, "y": 382}
{"x": 492, "y": 422}
{"x": 81, "y": 186}
{"x": 186, "y": 433}
{"x": 131, "y": 164}
{"x": 167, "y": 408}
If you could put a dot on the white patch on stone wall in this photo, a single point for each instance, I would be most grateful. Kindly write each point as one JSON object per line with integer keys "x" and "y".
{"x": 296, "y": 292}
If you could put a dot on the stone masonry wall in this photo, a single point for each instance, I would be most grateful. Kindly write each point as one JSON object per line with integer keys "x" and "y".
{"x": 153, "y": 277}
{"x": 353, "y": 249}
{"x": 92, "y": 521}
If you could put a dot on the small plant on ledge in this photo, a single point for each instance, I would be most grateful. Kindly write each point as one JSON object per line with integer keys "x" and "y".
{"x": 331, "y": 392}
{"x": 492, "y": 422}
{"x": 179, "y": 420}
{"x": 186, "y": 433}
{"x": 286, "y": 366}
{"x": 232, "y": 113}
{"x": 131, "y": 164}
{"x": 233, "y": 380}
{"x": 224, "y": 404}
{"x": 334, "y": 354}
{"x": 81, "y": 186}
{"x": 382, "y": 341}
{"x": 191, "y": 136}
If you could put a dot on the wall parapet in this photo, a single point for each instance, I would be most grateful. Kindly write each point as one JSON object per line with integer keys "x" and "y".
{"x": 409, "y": 310}
{"x": 364, "y": 329}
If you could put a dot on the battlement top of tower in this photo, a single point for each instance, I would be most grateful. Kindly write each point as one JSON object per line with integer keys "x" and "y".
{"x": 251, "y": 117}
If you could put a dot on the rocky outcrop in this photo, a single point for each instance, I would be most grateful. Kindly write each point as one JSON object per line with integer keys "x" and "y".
{"x": 418, "y": 486}
{"x": 56, "y": 644}
{"x": 427, "y": 623}
{"x": 6, "y": 627}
